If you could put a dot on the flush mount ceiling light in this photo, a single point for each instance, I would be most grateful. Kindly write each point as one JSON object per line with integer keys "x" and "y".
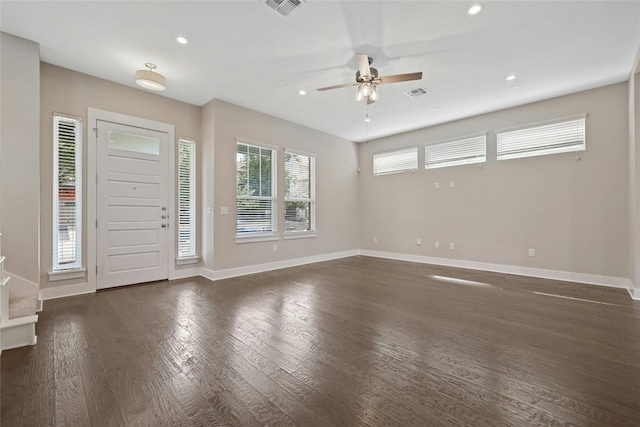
{"x": 182, "y": 40}
{"x": 476, "y": 8}
{"x": 511, "y": 77}
{"x": 149, "y": 79}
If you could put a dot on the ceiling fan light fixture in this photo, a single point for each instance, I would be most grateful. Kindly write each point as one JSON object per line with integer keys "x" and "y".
{"x": 374, "y": 93}
{"x": 366, "y": 89}
{"x": 359, "y": 93}
{"x": 149, "y": 79}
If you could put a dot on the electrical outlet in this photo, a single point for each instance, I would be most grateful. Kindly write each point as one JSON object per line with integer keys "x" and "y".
{"x": 275, "y": 248}
{"x": 224, "y": 210}
{"x": 418, "y": 242}
{"x": 375, "y": 240}
{"x": 437, "y": 245}
{"x": 437, "y": 185}
{"x": 452, "y": 184}
{"x": 532, "y": 252}
{"x": 452, "y": 246}
{"x": 208, "y": 210}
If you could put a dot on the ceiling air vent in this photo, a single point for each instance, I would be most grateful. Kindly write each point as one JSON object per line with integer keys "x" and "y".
{"x": 284, "y": 7}
{"x": 416, "y": 92}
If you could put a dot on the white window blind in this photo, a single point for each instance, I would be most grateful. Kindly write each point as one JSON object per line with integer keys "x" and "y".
{"x": 67, "y": 192}
{"x": 255, "y": 190}
{"x": 560, "y": 136}
{"x": 186, "y": 198}
{"x": 463, "y": 151}
{"x": 394, "y": 161}
{"x": 299, "y": 192}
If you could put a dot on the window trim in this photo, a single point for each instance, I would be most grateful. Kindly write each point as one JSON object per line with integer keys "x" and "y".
{"x": 543, "y": 151}
{"x": 267, "y": 235}
{"x": 456, "y": 161}
{"x": 190, "y": 257}
{"x": 74, "y": 268}
{"x": 409, "y": 150}
{"x": 312, "y": 232}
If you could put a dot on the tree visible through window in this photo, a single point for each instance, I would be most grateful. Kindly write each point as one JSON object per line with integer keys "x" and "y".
{"x": 255, "y": 190}
{"x": 299, "y": 192}
{"x": 67, "y": 193}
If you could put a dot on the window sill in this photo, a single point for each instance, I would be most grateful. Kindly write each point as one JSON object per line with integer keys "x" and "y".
{"x": 77, "y": 273}
{"x": 257, "y": 238}
{"x": 187, "y": 260}
{"x": 300, "y": 235}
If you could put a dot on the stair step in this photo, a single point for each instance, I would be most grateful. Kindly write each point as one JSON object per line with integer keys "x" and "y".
{"x": 23, "y": 307}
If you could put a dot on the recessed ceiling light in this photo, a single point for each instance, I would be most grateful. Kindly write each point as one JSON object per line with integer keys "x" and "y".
{"x": 511, "y": 77}
{"x": 182, "y": 40}
{"x": 515, "y": 87}
{"x": 437, "y": 107}
{"x": 281, "y": 83}
{"x": 476, "y": 8}
{"x": 302, "y": 92}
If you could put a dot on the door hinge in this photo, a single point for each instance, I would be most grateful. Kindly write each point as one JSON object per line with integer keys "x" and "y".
{"x": 96, "y": 269}
{"x": 96, "y": 131}
{"x": 96, "y": 223}
{"x": 96, "y": 178}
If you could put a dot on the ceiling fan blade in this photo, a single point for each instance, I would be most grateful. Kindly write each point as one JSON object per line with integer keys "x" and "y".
{"x": 337, "y": 86}
{"x": 400, "y": 78}
{"x": 363, "y": 64}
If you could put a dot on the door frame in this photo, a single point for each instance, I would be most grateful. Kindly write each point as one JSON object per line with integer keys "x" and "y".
{"x": 93, "y": 115}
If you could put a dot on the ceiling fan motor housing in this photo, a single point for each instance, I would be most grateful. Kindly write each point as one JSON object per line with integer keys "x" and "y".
{"x": 374, "y": 75}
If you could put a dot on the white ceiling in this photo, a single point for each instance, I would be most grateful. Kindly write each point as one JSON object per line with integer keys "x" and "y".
{"x": 245, "y": 53}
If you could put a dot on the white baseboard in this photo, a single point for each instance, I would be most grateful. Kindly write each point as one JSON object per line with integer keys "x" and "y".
{"x": 183, "y": 273}
{"x": 633, "y": 292}
{"x": 20, "y": 287}
{"x": 66, "y": 291}
{"x": 259, "y": 268}
{"x": 592, "y": 279}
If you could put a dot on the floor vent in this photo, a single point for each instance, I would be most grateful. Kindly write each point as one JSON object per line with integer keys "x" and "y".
{"x": 416, "y": 92}
{"x": 284, "y": 7}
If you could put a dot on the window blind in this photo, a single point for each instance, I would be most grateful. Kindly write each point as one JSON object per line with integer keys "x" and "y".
{"x": 562, "y": 136}
{"x": 394, "y": 161}
{"x": 299, "y": 192}
{"x": 67, "y": 193}
{"x": 186, "y": 198}
{"x": 456, "y": 152}
{"x": 255, "y": 190}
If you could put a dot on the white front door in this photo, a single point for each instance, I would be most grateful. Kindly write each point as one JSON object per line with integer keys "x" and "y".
{"x": 132, "y": 211}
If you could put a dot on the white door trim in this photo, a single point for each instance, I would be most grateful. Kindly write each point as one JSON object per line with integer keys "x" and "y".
{"x": 93, "y": 116}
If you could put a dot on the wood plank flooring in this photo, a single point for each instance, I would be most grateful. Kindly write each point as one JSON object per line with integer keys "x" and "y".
{"x": 352, "y": 342}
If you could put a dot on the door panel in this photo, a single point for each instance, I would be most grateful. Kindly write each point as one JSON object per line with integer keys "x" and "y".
{"x": 132, "y": 195}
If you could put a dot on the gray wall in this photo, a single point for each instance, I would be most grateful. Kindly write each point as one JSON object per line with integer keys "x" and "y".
{"x": 573, "y": 213}
{"x": 336, "y": 186}
{"x": 70, "y": 92}
{"x": 20, "y": 134}
{"x": 634, "y": 176}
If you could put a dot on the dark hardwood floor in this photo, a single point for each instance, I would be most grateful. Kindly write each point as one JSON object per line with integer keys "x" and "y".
{"x": 357, "y": 341}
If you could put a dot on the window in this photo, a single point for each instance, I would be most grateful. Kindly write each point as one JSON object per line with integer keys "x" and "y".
{"x": 299, "y": 197}
{"x": 402, "y": 160}
{"x": 186, "y": 198}
{"x": 558, "y": 136}
{"x": 255, "y": 190}
{"x": 456, "y": 152}
{"x": 67, "y": 193}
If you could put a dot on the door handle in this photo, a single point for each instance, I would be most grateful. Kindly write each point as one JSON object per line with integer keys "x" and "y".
{"x": 164, "y": 208}
{"x": 163, "y": 216}
{"x": 163, "y": 225}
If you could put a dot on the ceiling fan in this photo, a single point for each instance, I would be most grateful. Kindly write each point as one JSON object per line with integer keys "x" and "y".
{"x": 367, "y": 80}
